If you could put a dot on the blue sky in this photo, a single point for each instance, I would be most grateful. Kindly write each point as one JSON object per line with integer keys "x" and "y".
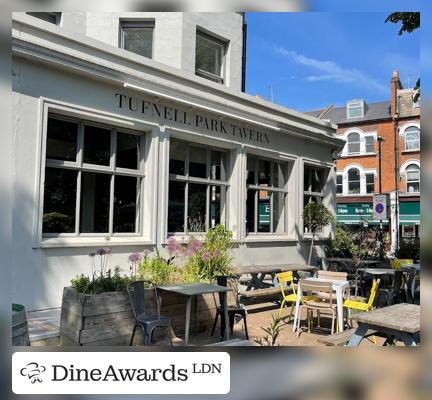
{"x": 315, "y": 59}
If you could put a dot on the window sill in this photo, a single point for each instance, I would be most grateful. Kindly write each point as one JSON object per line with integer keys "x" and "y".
{"x": 357, "y": 155}
{"x": 410, "y": 151}
{"x": 320, "y": 237}
{"x": 353, "y": 194}
{"x": 269, "y": 238}
{"x": 92, "y": 242}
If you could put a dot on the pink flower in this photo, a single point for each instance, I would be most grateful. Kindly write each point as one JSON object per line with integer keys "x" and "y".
{"x": 103, "y": 250}
{"x": 193, "y": 247}
{"x": 218, "y": 253}
{"x": 135, "y": 257}
{"x": 173, "y": 246}
{"x": 206, "y": 256}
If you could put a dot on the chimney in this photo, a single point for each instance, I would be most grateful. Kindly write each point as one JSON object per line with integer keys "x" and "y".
{"x": 395, "y": 85}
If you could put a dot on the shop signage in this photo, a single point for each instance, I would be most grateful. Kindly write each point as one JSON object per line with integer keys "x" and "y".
{"x": 164, "y": 112}
{"x": 380, "y": 207}
{"x": 360, "y": 209}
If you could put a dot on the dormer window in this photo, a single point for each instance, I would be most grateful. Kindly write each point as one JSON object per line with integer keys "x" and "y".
{"x": 355, "y": 109}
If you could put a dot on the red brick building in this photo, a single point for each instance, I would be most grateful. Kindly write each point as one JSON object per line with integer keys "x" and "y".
{"x": 396, "y": 123}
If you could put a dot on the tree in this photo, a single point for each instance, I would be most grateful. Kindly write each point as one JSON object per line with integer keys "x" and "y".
{"x": 316, "y": 217}
{"x": 410, "y": 22}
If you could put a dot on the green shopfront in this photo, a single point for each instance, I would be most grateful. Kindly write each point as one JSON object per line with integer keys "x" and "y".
{"x": 409, "y": 219}
{"x": 355, "y": 214}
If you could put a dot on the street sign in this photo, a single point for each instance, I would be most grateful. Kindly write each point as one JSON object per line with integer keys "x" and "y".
{"x": 380, "y": 207}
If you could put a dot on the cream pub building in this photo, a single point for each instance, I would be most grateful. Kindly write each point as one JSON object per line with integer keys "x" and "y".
{"x": 131, "y": 128}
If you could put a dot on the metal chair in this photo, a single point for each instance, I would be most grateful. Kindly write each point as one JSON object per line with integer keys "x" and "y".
{"x": 234, "y": 307}
{"x": 145, "y": 306}
{"x": 395, "y": 292}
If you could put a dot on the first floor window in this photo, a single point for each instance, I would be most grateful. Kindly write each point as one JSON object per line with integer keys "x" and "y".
{"x": 413, "y": 178}
{"x": 353, "y": 143}
{"x": 137, "y": 37}
{"x": 339, "y": 184}
{"x": 370, "y": 183}
{"x": 209, "y": 57}
{"x": 266, "y": 195}
{"x": 89, "y": 188}
{"x": 198, "y": 189}
{"x": 353, "y": 181}
{"x": 369, "y": 144}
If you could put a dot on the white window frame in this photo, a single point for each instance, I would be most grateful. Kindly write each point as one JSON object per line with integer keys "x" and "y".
{"x": 256, "y": 188}
{"x": 357, "y": 142}
{"x": 354, "y": 104}
{"x": 408, "y": 235}
{"x": 412, "y": 181}
{"x": 145, "y": 25}
{"x": 363, "y": 185}
{"x": 403, "y": 173}
{"x": 359, "y": 180}
{"x": 187, "y": 179}
{"x": 223, "y": 46}
{"x": 407, "y": 130}
{"x": 362, "y": 138}
{"x": 339, "y": 174}
{"x": 110, "y": 170}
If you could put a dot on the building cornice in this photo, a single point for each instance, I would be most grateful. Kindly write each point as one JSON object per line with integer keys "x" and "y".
{"x": 49, "y": 44}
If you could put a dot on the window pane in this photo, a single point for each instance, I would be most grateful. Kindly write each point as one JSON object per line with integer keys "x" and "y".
{"x": 217, "y": 205}
{"x": 197, "y": 162}
{"x": 307, "y": 179}
{"x": 126, "y": 193}
{"x": 339, "y": 179}
{"x": 316, "y": 180}
{"x": 177, "y": 157}
{"x": 176, "y": 206}
{"x": 209, "y": 55}
{"x": 95, "y": 199}
{"x": 413, "y": 186}
{"x": 369, "y": 144}
{"x": 280, "y": 174}
{"x": 250, "y": 211}
{"x": 353, "y": 175}
{"x": 97, "y": 145}
{"x": 128, "y": 151}
{"x": 339, "y": 189}
{"x": 138, "y": 40}
{"x": 370, "y": 183}
{"x": 251, "y": 167}
{"x": 61, "y": 140}
{"x": 370, "y": 178}
{"x": 217, "y": 165}
{"x": 197, "y": 204}
{"x": 279, "y": 212}
{"x": 263, "y": 211}
{"x": 59, "y": 201}
{"x": 263, "y": 172}
{"x": 354, "y": 112}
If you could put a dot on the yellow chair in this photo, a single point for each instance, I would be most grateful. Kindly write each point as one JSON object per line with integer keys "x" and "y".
{"x": 288, "y": 278}
{"x": 397, "y": 262}
{"x": 360, "y": 306}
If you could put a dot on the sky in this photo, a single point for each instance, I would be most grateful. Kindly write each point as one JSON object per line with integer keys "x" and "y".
{"x": 313, "y": 59}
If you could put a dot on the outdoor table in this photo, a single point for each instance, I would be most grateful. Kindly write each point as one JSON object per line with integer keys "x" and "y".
{"x": 349, "y": 262}
{"x": 193, "y": 290}
{"x": 377, "y": 271}
{"x": 259, "y": 272}
{"x": 338, "y": 286}
{"x": 399, "y": 321}
{"x": 417, "y": 267}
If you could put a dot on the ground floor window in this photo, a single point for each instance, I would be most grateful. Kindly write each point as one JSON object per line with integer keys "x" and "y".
{"x": 266, "y": 196}
{"x": 93, "y": 179}
{"x": 198, "y": 187}
{"x": 313, "y": 190}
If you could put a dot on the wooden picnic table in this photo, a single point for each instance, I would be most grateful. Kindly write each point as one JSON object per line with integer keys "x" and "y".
{"x": 259, "y": 272}
{"x": 398, "y": 322}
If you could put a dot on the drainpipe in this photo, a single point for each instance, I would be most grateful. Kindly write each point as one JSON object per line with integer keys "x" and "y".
{"x": 244, "y": 33}
{"x": 396, "y": 173}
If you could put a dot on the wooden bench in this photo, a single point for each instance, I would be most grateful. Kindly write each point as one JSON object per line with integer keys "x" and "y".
{"x": 260, "y": 292}
{"x": 341, "y": 338}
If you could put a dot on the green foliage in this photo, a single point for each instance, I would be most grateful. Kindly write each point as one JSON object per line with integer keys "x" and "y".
{"x": 410, "y": 21}
{"x": 109, "y": 282}
{"x": 272, "y": 332}
{"x": 316, "y": 216}
{"x": 341, "y": 244}
{"x": 408, "y": 249}
{"x": 213, "y": 259}
{"x": 157, "y": 270}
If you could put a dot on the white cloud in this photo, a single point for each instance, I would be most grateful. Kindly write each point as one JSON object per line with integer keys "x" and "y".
{"x": 331, "y": 71}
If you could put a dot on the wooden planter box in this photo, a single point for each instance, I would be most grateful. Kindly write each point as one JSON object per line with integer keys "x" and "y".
{"x": 107, "y": 319}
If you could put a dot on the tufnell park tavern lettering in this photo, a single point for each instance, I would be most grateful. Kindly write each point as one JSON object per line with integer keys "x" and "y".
{"x": 167, "y": 113}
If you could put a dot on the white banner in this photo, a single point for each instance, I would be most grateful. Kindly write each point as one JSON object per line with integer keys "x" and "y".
{"x": 121, "y": 373}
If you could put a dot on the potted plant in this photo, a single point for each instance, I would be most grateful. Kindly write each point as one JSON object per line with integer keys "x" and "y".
{"x": 316, "y": 216}
{"x": 96, "y": 309}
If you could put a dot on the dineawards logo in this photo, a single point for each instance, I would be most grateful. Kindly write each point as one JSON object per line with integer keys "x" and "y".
{"x": 33, "y": 371}
{"x": 121, "y": 373}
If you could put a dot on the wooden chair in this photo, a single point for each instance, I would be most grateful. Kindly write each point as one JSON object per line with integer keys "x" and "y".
{"x": 333, "y": 275}
{"x": 318, "y": 305}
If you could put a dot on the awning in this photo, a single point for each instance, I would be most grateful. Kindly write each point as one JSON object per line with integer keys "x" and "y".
{"x": 409, "y": 213}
